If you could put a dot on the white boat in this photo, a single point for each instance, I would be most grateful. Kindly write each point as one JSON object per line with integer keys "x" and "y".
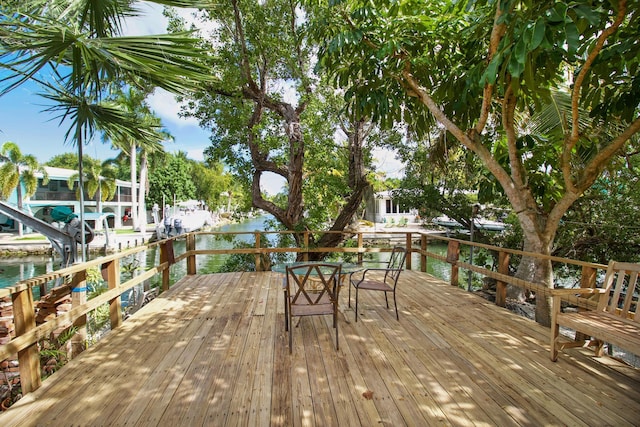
{"x": 478, "y": 223}
{"x": 191, "y": 216}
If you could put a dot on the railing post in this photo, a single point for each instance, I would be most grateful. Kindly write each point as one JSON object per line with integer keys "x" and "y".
{"x": 79, "y": 297}
{"x": 423, "y": 256}
{"x": 112, "y": 271}
{"x": 28, "y": 358}
{"x": 191, "y": 258}
{"x": 360, "y": 247}
{"x": 588, "y": 277}
{"x": 258, "y": 258}
{"x": 166, "y": 256}
{"x": 305, "y": 255}
{"x": 501, "y": 287}
{"x": 587, "y": 280}
{"x": 453, "y": 254}
{"x": 409, "y": 251}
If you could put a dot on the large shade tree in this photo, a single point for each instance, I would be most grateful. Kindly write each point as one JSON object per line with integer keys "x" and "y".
{"x": 18, "y": 170}
{"x": 476, "y": 67}
{"x": 260, "y": 116}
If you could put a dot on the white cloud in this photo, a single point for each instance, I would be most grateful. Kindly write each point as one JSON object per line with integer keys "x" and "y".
{"x": 196, "y": 153}
{"x": 166, "y": 106}
{"x": 386, "y": 161}
{"x": 271, "y": 183}
{"x": 149, "y": 21}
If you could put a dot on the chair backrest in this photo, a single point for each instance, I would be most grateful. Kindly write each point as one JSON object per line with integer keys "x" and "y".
{"x": 395, "y": 265}
{"x": 312, "y": 284}
{"x": 622, "y": 289}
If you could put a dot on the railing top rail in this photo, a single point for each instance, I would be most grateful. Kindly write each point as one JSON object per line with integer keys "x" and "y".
{"x": 39, "y": 280}
{"x": 516, "y": 251}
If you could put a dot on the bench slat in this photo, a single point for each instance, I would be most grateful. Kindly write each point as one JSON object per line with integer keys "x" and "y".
{"x": 613, "y": 321}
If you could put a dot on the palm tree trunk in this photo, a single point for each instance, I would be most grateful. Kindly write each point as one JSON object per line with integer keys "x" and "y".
{"x": 142, "y": 208}
{"x": 134, "y": 174}
{"x": 19, "y": 195}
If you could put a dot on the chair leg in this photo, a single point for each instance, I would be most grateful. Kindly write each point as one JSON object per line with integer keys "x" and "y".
{"x": 336, "y": 326}
{"x": 286, "y": 312}
{"x": 291, "y": 337}
{"x": 356, "y": 303}
{"x": 395, "y": 302}
{"x": 386, "y": 299}
{"x": 555, "y": 330}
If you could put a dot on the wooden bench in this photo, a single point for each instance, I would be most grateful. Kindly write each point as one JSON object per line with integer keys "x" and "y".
{"x": 606, "y": 314}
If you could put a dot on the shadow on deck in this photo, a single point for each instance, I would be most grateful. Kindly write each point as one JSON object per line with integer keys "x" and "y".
{"x": 213, "y": 351}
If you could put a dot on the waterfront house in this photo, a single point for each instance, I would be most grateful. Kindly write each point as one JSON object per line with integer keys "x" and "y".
{"x": 57, "y": 193}
{"x": 382, "y": 208}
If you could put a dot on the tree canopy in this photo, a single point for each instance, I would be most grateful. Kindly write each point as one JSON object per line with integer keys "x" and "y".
{"x": 481, "y": 70}
{"x": 269, "y": 113}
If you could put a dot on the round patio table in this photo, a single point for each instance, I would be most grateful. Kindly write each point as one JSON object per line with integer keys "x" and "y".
{"x": 346, "y": 267}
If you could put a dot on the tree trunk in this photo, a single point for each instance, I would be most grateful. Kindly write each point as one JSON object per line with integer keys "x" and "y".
{"x": 19, "y": 196}
{"x": 142, "y": 208}
{"x": 134, "y": 175}
{"x": 539, "y": 271}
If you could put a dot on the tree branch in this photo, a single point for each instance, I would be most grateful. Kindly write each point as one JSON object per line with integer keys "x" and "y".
{"x": 497, "y": 33}
{"x": 577, "y": 86}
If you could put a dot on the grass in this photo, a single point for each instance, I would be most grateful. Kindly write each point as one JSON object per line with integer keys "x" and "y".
{"x": 37, "y": 237}
{"x": 31, "y": 238}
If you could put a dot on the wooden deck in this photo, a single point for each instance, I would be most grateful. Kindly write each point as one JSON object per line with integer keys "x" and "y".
{"x": 213, "y": 352}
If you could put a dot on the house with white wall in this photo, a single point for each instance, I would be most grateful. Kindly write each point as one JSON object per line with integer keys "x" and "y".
{"x": 57, "y": 193}
{"x": 383, "y": 209}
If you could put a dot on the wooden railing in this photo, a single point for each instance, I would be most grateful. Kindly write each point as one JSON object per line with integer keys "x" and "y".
{"x": 28, "y": 334}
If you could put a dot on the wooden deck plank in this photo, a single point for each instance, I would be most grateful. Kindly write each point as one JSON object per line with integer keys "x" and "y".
{"x": 263, "y": 381}
{"x": 252, "y": 378}
{"x": 190, "y": 326}
{"x": 537, "y": 368}
{"x": 189, "y": 393}
{"x": 213, "y": 351}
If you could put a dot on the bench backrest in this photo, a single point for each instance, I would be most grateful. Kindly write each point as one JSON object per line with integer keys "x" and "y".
{"x": 622, "y": 289}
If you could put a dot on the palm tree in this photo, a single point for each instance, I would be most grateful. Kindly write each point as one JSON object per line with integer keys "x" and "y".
{"x": 99, "y": 181}
{"x": 133, "y": 102}
{"x": 79, "y": 43}
{"x": 18, "y": 170}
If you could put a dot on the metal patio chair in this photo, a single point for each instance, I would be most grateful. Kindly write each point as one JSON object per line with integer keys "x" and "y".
{"x": 311, "y": 289}
{"x": 372, "y": 279}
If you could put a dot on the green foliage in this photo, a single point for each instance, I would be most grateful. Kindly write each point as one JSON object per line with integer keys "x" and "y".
{"x": 67, "y": 161}
{"x": 172, "y": 178}
{"x": 247, "y": 262}
{"x": 99, "y": 179}
{"x": 603, "y": 224}
{"x": 214, "y": 185}
{"x": 17, "y": 168}
{"x": 539, "y": 94}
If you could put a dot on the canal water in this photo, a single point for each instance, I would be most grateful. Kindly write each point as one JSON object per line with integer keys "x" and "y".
{"x": 13, "y": 270}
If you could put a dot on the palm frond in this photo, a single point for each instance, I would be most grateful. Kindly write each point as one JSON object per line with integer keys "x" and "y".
{"x": 87, "y": 117}
{"x": 33, "y": 43}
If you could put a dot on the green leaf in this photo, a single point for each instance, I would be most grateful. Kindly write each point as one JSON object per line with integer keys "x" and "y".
{"x": 491, "y": 73}
{"x": 573, "y": 37}
{"x": 538, "y": 33}
{"x": 515, "y": 67}
{"x": 585, "y": 12}
{"x": 521, "y": 51}
{"x": 557, "y": 13}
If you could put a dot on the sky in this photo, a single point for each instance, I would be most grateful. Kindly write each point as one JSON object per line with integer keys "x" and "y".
{"x": 37, "y": 132}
